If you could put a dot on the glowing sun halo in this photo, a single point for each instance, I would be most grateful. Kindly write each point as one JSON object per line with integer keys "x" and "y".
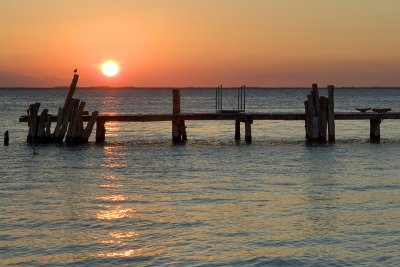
{"x": 110, "y": 68}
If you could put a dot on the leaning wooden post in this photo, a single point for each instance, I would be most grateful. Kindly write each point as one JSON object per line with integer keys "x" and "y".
{"x": 331, "y": 114}
{"x": 6, "y": 138}
{"x": 247, "y": 127}
{"x": 100, "y": 131}
{"x": 62, "y": 116}
{"x": 237, "y": 130}
{"x": 375, "y": 130}
{"x": 89, "y": 127}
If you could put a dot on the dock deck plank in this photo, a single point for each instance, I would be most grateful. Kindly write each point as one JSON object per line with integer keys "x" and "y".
{"x": 105, "y": 117}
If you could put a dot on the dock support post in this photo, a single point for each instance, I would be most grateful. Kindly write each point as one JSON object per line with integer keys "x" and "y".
{"x": 331, "y": 114}
{"x": 6, "y": 138}
{"x": 323, "y": 118}
{"x": 247, "y": 136}
{"x": 375, "y": 130}
{"x": 33, "y": 116}
{"x": 100, "y": 132}
{"x": 178, "y": 126}
{"x": 237, "y": 130}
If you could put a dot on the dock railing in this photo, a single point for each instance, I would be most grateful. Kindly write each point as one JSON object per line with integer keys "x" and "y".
{"x": 241, "y": 100}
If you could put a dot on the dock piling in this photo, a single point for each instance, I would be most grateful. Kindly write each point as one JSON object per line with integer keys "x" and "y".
{"x": 331, "y": 114}
{"x": 237, "y": 130}
{"x": 178, "y": 126}
{"x": 6, "y": 138}
{"x": 375, "y": 130}
{"x": 323, "y": 118}
{"x": 247, "y": 136}
{"x": 33, "y": 118}
{"x": 100, "y": 132}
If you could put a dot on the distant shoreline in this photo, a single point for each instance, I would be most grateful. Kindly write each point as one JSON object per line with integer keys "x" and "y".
{"x": 191, "y": 88}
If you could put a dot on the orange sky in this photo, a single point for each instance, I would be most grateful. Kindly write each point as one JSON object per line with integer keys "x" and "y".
{"x": 201, "y": 43}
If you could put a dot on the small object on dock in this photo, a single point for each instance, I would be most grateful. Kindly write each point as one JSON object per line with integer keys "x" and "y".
{"x": 363, "y": 109}
{"x": 6, "y": 138}
{"x": 381, "y": 110}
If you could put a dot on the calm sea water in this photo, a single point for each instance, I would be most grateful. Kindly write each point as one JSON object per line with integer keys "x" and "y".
{"x": 138, "y": 200}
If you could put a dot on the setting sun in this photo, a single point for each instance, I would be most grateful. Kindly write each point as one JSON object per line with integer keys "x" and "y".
{"x": 110, "y": 68}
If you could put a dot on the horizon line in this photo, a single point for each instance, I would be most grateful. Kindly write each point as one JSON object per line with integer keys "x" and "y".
{"x": 185, "y": 87}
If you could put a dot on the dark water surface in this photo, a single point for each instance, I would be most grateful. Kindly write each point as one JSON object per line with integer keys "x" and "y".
{"x": 138, "y": 200}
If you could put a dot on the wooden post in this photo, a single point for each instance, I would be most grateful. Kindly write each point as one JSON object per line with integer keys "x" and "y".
{"x": 65, "y": 122}
{"x": 247, "y": 128}
{"x": 313, "y": 120}
{"x": 62, "y": 116}
{"x": 6, "y": 138}
{"x": 308, "y": 110}
{"x": 178, "y": 126}
{"x": 323, "y": 118}
{"x": 176, "y": 109}
{"x": 71, "y": 91}
{"x": 183, "y": 130}
{"x": 76, "y": 127}
{"x": 331, "y": 114}
{"x": 48, "y": 129}
{"x": 237, "y": 130}
{"x": 100, "y": 132}
{"x": 32, "y": 134}
{"x": 375, "y": 130}
{"x": 306, "y": 120}
{"x": 41, "y": 131}
{"x": 89, "y": 127}
{"x": 75, "y": 106}
{"x": 316, "y": 99}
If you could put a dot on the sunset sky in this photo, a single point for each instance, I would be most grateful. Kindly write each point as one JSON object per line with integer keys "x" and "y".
{"x": 201, "y": 43}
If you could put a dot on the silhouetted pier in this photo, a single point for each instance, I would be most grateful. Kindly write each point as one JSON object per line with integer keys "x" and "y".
{"x": 319, "y": 118}
{"x": 246, "y": 118}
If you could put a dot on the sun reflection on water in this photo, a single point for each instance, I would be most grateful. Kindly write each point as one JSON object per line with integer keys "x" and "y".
{"x": 113, "y": 198}
{"x": 118, "y": 237}
{"x": 123, "y": 253}
{"x": 114, "y": 212}
{"x": 110, "y": 185}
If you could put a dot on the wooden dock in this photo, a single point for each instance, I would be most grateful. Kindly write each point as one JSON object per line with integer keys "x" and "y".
{"x": 319, "y": 118}
{"x": 103, "y": 118}
{"x": 278, "y": 116}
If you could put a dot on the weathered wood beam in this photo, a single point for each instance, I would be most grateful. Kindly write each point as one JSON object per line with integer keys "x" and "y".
{"x": 331, "y": 114}
{"x": 89, "y": 127}
{"x": 63, "y": 116}
{"x": 323, "y": 118}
